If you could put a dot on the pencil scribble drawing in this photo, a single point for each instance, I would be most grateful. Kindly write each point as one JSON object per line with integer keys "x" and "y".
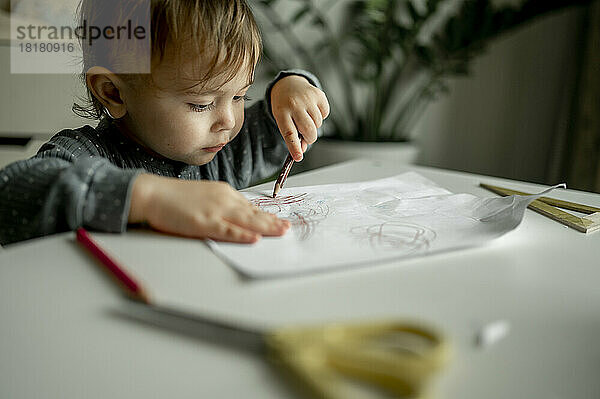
{"x": 305, "y": 221}
{"x": 303, "y": 213}
{"x": 276, "y": 205}
{"x": 396, "y": 235}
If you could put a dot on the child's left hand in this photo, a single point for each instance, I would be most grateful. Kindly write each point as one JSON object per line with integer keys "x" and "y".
{"x": 299, "y": 108}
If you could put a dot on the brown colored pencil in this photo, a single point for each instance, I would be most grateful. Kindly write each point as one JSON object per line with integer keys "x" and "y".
{"x": 285, "y": 171}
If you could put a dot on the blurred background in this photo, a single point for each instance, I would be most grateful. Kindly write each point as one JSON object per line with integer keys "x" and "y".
{"x": 502, "y": 88}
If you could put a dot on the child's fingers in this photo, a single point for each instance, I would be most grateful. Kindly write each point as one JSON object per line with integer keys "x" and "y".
{"x": 282, "y": 225}
{"x": 306, "y": 127}
{"x": 254, "y": 219}
{"x": 267, "y": 224}
{"x": 290, "y": 136}
{"x": 323, "y": 105}
{"x": 315, "y": 114}
{"x": 230, "y": 232}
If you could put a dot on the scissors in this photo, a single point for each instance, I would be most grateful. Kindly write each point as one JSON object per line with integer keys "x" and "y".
{"x": 395, "y": 359}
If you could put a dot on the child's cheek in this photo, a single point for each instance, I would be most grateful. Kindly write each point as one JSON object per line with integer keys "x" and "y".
{"x": 239, "y": 120}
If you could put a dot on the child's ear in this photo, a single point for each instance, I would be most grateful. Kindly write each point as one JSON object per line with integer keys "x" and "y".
{"x": 106, "y": 87}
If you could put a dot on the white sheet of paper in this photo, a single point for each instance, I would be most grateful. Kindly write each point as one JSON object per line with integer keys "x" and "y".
{"x": 345, "y": 225}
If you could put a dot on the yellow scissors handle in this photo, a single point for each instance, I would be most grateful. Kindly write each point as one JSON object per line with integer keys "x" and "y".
{"x": 398, "y": 358}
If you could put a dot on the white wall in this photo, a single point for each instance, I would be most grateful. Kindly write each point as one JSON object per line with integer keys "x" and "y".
{"x": 502, "y": 119}
{"x": 32, "y": 105}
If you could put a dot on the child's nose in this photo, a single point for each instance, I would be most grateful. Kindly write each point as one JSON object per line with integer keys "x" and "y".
{"x": 225, "y": 119}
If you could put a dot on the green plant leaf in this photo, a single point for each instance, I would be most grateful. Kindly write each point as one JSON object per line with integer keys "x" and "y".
{"x": 412, "y": 11}
{"x": 300, "y": 14}
{"x": 267, "y": 3}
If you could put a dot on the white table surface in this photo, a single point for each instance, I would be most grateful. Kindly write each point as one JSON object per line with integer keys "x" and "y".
{"x": 61, "y": 335}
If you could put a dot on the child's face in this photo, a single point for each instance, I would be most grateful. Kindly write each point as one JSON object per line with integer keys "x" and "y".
{"x": 185, "y": 126}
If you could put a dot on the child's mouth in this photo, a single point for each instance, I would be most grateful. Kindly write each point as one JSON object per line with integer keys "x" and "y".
{"x": 214, "y": 149}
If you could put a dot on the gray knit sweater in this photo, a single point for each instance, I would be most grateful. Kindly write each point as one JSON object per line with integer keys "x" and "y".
{"x": 83, "y": 177}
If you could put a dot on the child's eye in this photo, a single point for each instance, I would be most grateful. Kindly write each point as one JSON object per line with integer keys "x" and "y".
{"x": 241, "y": 98}
{"x": 200, "y": 107}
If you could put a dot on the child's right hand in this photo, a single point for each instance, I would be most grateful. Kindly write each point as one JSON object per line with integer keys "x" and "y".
{"x": 201, "y": 209}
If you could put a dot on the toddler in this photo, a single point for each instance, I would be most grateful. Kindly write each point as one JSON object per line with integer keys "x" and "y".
{"x": 172, "y": 145}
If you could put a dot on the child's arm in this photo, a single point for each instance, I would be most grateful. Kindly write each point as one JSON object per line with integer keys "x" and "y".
{"x": 67, "y": 185}
{"x": 70, "y": 184}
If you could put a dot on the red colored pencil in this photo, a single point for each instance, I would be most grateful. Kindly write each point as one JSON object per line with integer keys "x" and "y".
{"x": 132, "y": 288}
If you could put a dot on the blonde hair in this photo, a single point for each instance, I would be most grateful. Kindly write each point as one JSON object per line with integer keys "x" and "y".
{"x": 223, "y": 33}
